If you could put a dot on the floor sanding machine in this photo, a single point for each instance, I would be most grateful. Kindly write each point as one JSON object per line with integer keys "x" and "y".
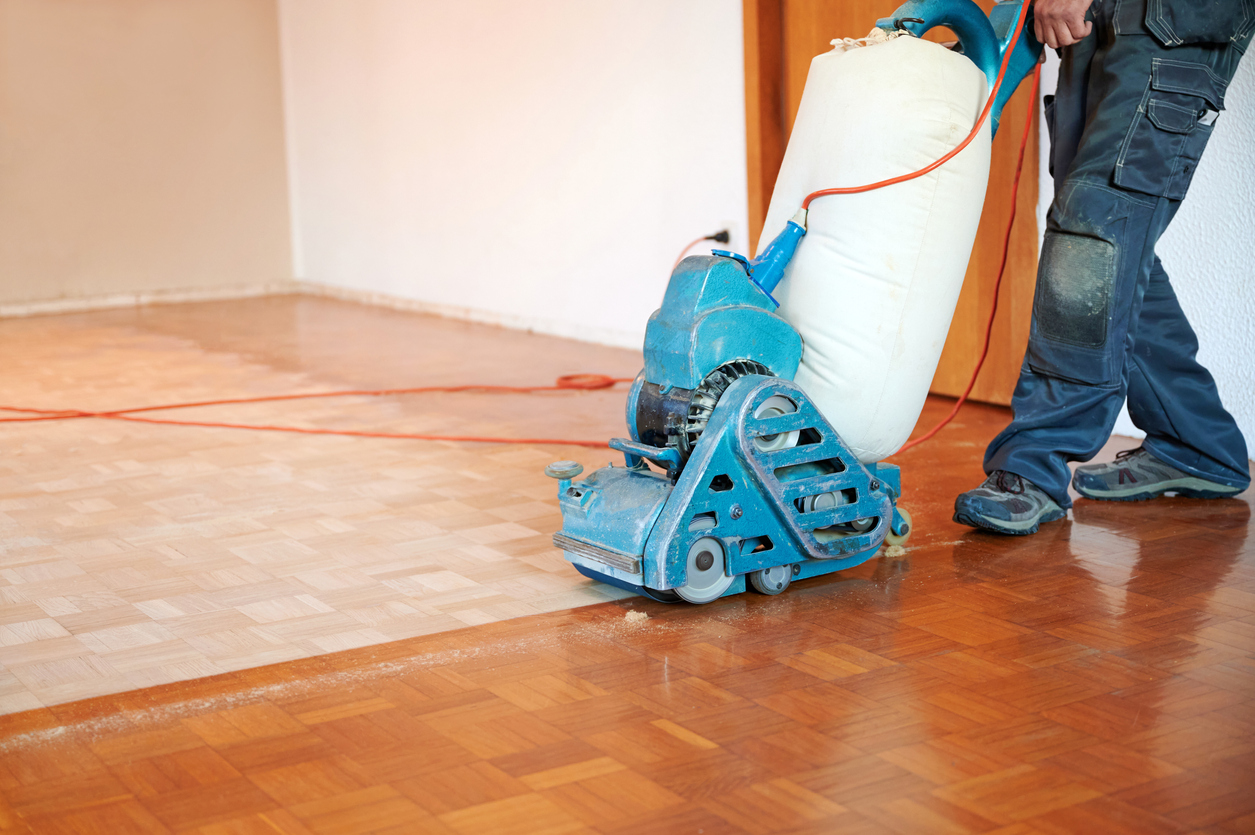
{"x": 734, "y": 471}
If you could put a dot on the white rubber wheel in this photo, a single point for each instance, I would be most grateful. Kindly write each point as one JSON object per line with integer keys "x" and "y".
{"x": 775, "y": 405}
{"x": 892, "y": 538}
{"x": 706, "y": 579}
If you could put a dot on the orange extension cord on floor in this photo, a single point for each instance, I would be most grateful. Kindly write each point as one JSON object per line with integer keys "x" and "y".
{"x": 571, "y": 382}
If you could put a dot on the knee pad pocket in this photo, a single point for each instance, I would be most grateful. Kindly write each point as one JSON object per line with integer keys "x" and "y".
{"x": 1074, "y": 286}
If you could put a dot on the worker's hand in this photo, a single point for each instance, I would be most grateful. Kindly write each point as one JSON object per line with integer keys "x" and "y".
{"x": 1061, "y": 22}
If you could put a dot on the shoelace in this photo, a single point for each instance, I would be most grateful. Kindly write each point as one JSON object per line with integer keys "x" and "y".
{"x": 1009, "y": 482}
{"x": 1128, "y": 453}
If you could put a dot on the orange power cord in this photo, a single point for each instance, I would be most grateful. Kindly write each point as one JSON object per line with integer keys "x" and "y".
{"x": 684, "y": 251}
{"x": 577, "y": 382}
{"x": 1002, "y": 269}
{"x": 1015, "y": 189}
{"x": 569, "y": 382}
{"x": 984, "y": 115}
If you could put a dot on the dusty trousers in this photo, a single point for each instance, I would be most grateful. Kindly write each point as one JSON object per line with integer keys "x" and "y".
{"x": 1128, "y": 124}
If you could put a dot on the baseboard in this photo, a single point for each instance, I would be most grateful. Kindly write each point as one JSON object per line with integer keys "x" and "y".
{"x": 549, "y": 327}
{"x": 112, "y": 300}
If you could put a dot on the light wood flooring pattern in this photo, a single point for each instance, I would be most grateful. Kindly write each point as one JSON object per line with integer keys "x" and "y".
{"x": 135, "y": 555}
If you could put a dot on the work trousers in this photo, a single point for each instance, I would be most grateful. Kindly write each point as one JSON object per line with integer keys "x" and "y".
{"x": 1128, "y": 124}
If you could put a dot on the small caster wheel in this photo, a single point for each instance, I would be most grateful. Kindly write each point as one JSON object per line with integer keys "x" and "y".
{"x": 771, "y": 580}
{"x": 892, "y": 538}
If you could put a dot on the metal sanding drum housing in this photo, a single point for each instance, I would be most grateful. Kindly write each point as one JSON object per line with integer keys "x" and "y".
{"x": 874, "y": 283}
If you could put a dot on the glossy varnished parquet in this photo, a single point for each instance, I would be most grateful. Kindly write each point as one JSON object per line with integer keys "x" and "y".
{"x": 1098, "y": 677}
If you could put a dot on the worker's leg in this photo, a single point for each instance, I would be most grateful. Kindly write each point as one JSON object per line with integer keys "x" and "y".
{"x": 1006, "y": 502}
{"x": 1174, "y": 399}
{"x": 1148, "y": 116}
{"x": 1091, "y": 283}
{"x": 1194, "y": 447}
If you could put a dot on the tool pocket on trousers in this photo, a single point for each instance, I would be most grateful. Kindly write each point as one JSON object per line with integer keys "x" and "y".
{"x": 1176, "y": 22}
{"x": 1070, "y": 336}
{"x": 1173, "y": 123}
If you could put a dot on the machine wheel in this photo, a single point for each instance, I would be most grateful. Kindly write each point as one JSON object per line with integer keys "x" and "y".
{"x": 776, "y": 405}
{"x": 863, "y": 525}
{"x": 706, "y": 579}
{"x": 892, "y": 538}
{"x": 771, "y": 580}
{"x": 824, "y": 501}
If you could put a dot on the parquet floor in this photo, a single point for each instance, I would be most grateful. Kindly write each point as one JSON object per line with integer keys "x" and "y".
{"x": 134, "y": 555}
{"x": 1098, "y": 677}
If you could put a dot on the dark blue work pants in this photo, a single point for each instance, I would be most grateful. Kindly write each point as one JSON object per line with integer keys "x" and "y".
{"x": 1128, "y": 124}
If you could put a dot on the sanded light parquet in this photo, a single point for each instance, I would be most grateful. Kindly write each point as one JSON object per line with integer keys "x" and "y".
{"x": 1097, "y": 677}
{"x": 134, "y": 555}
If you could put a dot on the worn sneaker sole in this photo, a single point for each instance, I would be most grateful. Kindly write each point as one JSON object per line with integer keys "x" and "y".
{"x": 1021, "y": 528}
{"x": 1192, "y": 488}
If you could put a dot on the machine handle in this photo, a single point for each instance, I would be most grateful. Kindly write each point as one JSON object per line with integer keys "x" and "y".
{"x": 668, "y": 457}
{"x": 1025, "y": 55}
{"x": 983, "y": 39}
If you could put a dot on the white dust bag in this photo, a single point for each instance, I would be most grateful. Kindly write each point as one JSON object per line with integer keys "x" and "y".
{"x": 874, "y": 283}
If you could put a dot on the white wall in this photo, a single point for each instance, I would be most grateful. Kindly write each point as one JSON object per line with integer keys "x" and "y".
{"x": 538, "y": 164}
{"x": 1209, "y": 250}
{"x": 141, "y": 150}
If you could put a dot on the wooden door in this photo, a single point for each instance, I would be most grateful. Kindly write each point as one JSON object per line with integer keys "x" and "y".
{"x": 781, "y": 37}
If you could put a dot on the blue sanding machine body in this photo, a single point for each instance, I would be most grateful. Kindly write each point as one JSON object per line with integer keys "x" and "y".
{"x": 750, "y": 485}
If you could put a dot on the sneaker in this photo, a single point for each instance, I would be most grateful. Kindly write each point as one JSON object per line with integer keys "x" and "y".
{"x": 1006, "y": 503}
{"x": 1136, "y": 475}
